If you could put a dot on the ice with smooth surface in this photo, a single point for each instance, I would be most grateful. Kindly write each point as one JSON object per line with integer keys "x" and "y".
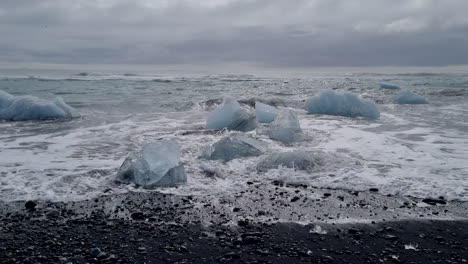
{"x": 342, "y": 104}
{"x": 230, "y": 115}
{"x": 298, "y": 160}
{"x": 20, "y": 108}
{"x": 386, "y": 85}
{"x": 286, "y": 127}
{"x": 157, "y": 164}
{"x": 234, "y": 146}
{"x": 407, "y": 97}
{"x": 265, "y": 113}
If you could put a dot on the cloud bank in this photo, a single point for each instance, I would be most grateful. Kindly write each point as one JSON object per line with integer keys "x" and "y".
{"x": 265, "y": 32}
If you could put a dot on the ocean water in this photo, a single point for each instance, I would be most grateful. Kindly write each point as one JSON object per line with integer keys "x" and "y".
{"x": 414, "y": 150}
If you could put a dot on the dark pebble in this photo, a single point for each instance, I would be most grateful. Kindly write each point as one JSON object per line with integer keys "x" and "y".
{"x": 30, "y": 205}
{"x": 137, "y": 216}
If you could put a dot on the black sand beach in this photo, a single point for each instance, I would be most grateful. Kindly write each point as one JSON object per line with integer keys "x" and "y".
{"x": 266, "y": 224}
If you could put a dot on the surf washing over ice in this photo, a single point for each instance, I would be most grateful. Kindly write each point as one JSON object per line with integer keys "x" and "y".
{"x": 325, "y": 128}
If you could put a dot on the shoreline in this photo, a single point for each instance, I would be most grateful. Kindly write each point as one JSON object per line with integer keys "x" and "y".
{"x": 267, "y": 223}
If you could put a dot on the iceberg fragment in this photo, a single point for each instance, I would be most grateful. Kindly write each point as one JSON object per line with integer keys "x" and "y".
{"x": 343, "y": 104}
{"x": 20, "y": 108}
{"x": 298, "y": 160}
{"x": 386, "y": 85}
{"x": 156, "y": 165}
{"x": 5, "y": 99}
{"x": 230, "y": 115}
{"x": 286, "y": 127}
{"x": 234, "y": 146}
{"x": 407, "y": 97}
{"x": 265, "y": 113}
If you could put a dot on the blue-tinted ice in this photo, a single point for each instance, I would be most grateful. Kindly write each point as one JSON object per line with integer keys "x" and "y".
{"x": 343, "y": 104}
{"x": 286, "y": 127}
{"x": 234, "y": 146}
{"x": 386, "y": 85}
{"x": 156, "y": 165}
{"x": 407, "y": 97}
{"x": 231, "y": 116}
{"x": 265, "y": 113}
{"x": 298, "y": 160}
{"x": 20, "y": 108}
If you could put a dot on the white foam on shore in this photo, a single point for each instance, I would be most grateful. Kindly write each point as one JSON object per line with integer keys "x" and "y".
{"x": 395, "y": 154}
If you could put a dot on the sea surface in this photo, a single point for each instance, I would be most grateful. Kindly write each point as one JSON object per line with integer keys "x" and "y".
{"x": 413, "y": 150}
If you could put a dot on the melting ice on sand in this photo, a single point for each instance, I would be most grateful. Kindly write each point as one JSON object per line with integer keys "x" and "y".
{"x": 234, "y": 146}
{"x": 156, "y": 165}
{"x": 342, "y": 104}
{"x": 20, "y": 108}
{"x": 230, "y": 115}
{"x": 407, "y": 97}
{"x": 265, "y": 113}
{"x": 286, "y": 127}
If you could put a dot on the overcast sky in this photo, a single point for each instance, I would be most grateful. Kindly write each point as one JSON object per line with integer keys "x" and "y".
{"x": 265, "y": 32}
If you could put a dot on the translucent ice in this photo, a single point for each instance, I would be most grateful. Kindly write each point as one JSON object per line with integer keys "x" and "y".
{"x": 385, "y": 85}
{"x": 234, "y": 146}
{"x": 343, "y": 104}
{"x": 155, "y": 165}
{"x": 407, "y": 97}
{"x": 5, "y": 99}
{"x": 265, "y": 113}
{"x": 286, "y": 127}
{"x": 298, "y": 160}
{"x": 19, "y": 108}
{"x": 230, "y": 115}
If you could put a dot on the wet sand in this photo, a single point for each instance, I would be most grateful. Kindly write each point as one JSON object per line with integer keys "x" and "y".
{"x": 268, "y": 223}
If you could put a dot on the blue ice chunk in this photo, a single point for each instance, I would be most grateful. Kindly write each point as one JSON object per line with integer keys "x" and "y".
{"x": 156, "y": 165}
{"x": 298, "y": 160}
{"x": 19, "y": 108}
{"x": 286, "y": 127}
{"x": 386, "y": 85}
{"x": 234, "y": 146}
{"x": 265, "y": 113}
{"x": 5, "y": 99}
{"x": 231, "y": 116}
{"x": 407, "y": 97}
{"x": 343, "y": 104}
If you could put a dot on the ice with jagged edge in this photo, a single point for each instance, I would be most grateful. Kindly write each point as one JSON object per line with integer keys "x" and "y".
{"x": 230, "y": 115}
{"x": 156, "y": 165}
{"x": 234, "y": 146}
{"x": 386, "y": 85}
{"x": 286, "y": 127}
{"x": 265, "y": 113}
{"x": 342, "y": 104}
{"x": 407, "y": 97}
{"x": 20, "y": 108}
{"x": 298, "y": 160}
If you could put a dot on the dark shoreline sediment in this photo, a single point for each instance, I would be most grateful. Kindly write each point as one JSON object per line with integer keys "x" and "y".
{"x": 264, "y": 224}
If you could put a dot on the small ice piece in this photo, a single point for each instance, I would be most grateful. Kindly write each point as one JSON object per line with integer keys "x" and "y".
{"x": 20, "y": 108}
{"x": 286, "y": 127}
{"x": 265, "y": 113}
{"x": 318, "y": 230}
{"x": 386, "y": 85}
{"x": 298, "y": 160}
{"x": 213, "y": 172}
{"x": 231, "y": 116}
{"x": 407, "y": 97}
{"x": 234, "y": 146}
{"x": 343, "y": 104}
{"x": 411, "y": 246}
{"x": 156, "y": 165}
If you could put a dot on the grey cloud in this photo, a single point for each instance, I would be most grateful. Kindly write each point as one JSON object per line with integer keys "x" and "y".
{"x": 271, "y": 32}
